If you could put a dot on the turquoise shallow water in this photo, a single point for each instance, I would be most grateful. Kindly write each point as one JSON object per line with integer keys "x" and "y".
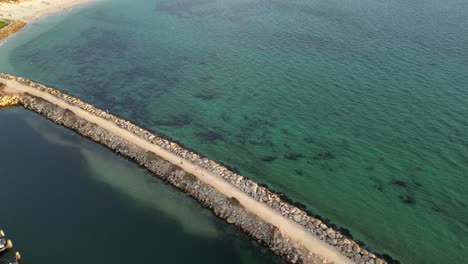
{"x": 355, "y": 109}
{"x": 68, "y": 200}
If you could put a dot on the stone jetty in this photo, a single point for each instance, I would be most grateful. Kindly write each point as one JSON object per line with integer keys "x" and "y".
{"x": 229, "y": 208}
{"x": 7, "y": 100}
{"x": 10, "y": 29}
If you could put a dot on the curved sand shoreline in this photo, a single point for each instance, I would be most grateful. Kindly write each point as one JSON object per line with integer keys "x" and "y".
{"x": 18, "y": 14}
{"x": 30, "y": 10}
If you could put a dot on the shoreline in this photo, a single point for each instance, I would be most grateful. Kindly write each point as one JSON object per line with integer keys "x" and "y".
{"x": 305, "y": 238}
{"x": 19, "y": 14}
{"x": 31, "y": 10}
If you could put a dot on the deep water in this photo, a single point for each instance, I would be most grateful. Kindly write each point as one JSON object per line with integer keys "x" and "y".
{"x": 66, "y": 199}
{"x": 357, "y": 109}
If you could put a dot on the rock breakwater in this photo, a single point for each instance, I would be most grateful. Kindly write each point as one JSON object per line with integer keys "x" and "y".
{"x": 11, "y": 28}
{"x": 7, "y": 100}
{"x": 224, "y": 207}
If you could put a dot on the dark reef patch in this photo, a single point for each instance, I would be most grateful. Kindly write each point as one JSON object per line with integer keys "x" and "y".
{"x": 206, "y": 97}
{"x": 407, "y": 199}
{"x": 298, "y": 172}
{"x": 465, "y": 224}
{"x": 286, "y": 132}
{"x": 438, "y": 209}
{"x": 175, "y": 121}
{"x": 293, "y": 156}
{"x": 379, "y": 187}
{"x": 399, "y": 183}
{"x": 261, "y": 143}
{"x": 268, "y": 158}
{"x": 105, "y": 41}
{"x": 327, "y": 167}
{"x": 210, "y": 136}
{"x": 205, "y": 78}
{"x": 225, "y": 117}
{"x": 324, "y": 155}
{"x": 253, "y": 123}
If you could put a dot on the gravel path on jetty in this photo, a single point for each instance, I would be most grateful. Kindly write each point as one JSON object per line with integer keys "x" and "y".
{"x": 320, "y": 246}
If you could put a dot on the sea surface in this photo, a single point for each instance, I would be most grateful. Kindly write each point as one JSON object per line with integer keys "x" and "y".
{"x": 66, "y": 199}
{"x": 357, "y": 109}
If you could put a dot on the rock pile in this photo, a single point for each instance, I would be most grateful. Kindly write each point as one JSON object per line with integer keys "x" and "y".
{"x": 9, "y": 100}
{"x": 346, "y": 246}
{"x": 12, "y": 28}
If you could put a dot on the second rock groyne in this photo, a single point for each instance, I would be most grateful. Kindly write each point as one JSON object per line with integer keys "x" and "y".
{"x": 227, "y": 208}
{"x": 7, "y": 100}
{"x": 10, "y": 29}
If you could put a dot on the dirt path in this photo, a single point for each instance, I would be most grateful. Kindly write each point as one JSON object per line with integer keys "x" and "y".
{"x": 287, "y": 226}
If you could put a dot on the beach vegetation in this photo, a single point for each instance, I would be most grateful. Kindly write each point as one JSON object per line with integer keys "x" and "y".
{"x": 3, "y": 24}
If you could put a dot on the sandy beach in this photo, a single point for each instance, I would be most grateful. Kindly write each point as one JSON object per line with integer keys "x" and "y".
{"x": 30, "y": 10}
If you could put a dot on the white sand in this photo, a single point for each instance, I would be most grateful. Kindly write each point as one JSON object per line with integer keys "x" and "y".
{"x": 30, "y": 10}
{"x": 267, "y": 214}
